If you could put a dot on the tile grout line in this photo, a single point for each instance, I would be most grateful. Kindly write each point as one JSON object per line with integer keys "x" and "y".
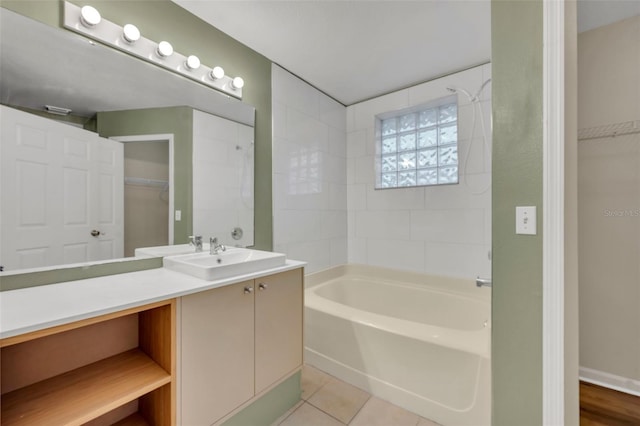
{"x": 329, "y": 414}
{"x": 360, "y": 409}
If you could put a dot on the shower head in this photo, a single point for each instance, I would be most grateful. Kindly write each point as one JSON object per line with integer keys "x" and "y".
{"x": 456, "y": 90}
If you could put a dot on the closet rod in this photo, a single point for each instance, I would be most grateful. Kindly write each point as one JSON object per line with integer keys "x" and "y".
{"x": 610, "y": 130}
{"x": 145, "y": 182}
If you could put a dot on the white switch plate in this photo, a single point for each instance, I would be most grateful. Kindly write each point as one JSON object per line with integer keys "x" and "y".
{"x": 178, "y": 215}
{"x": 526, "y": 220}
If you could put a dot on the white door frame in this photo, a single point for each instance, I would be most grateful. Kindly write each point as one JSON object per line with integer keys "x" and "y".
{"x": 160, "y": 137}
{"x": 553, "y": 398}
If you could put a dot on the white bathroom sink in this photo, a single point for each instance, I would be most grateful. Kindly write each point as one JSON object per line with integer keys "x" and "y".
{"x": 233, "y": 262}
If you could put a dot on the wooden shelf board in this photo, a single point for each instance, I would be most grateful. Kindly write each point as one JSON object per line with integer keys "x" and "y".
{"x": 133, "y": 420}
{"x": 78, "y": 396}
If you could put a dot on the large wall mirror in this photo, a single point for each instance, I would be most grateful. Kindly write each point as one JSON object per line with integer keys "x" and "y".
{"x": 146, "y": 157}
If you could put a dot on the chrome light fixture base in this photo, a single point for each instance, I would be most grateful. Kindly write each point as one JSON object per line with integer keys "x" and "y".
{"x": 111, "y": 34}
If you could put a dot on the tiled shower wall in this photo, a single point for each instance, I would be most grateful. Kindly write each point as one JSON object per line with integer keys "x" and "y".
{"x": 443, "y": 230}
{"x": 326, "y": 210}
{"x": 309, "y": 173}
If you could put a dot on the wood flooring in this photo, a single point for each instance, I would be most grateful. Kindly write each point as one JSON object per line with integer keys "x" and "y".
{"x": 601, "y": 406}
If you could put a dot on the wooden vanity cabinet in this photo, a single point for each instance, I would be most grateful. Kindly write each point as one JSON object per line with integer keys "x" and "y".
{"x": 278, "y": 327}
{"x": 237, "y": 342}
{"x": 112, "y": 369}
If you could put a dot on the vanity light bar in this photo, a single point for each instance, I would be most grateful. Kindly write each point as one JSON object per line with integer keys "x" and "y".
{"x": 88, "y": 22}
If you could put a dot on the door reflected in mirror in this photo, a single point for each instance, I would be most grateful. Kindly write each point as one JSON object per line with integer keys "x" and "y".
{"x": 146, "y": 100}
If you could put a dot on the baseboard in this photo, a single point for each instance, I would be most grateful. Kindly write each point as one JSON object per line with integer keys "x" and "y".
{"x": 611, "y": 381}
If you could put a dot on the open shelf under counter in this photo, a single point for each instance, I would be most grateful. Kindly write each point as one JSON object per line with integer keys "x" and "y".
{"x": 117, "y": 368}
{"x": 75, "y": 397}
{"x": 132, "y": 420}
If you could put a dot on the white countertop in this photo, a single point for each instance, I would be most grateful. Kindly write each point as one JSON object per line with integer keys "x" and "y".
{"x": 37, "y": 308}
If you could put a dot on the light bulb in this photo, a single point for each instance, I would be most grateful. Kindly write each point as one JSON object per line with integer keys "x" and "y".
{"x": 131, "y": 33}
{"x": 89, "y": 16}
{"x": 237, "y": 83}
{"x": 193, "y": 62}
{"x": 217, "y": 73}
{"x": 165, "y": 49}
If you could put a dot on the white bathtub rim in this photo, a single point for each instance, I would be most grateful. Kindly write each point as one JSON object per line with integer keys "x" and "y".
{"x": 476, "y": 342}
{"x": 462, "y": 294}
{"x": 454, "y": 285}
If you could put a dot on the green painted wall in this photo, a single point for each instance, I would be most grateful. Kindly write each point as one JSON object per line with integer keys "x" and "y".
{"x": 271, "y": 406}
{"x": 177, "y": 121}
{"x": 516, "y": 34}
{"x": 164, "y": 20}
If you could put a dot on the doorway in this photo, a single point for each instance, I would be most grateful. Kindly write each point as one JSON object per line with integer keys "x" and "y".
{"x": 148, "y": 191}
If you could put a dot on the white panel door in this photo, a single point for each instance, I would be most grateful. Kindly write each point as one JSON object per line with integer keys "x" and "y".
{"x": 58, "y": 184}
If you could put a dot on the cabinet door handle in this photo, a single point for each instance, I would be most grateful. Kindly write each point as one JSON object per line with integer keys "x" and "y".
{"x": 262, "y": 286}
{"x": 248, "y": 289}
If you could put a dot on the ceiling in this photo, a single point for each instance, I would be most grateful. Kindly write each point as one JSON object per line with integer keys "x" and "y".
{"x": 355, "y": 50}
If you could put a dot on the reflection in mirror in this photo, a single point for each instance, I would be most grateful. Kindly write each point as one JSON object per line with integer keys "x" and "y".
{"x": 132, "y": 167}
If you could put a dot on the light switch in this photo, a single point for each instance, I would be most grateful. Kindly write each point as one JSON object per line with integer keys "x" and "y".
{"x": 178, "y": 215}
{"x": 526, "y": 220}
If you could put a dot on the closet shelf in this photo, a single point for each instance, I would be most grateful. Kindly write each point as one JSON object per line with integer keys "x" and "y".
{"x": 80, "y": 395}
{"x": 609, "y": 130}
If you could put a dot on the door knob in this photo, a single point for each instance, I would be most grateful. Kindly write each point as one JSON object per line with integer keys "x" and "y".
{"x": 95, "y": 233}
{"x": 248, "y": 289}
{"x": 262, "y": 286}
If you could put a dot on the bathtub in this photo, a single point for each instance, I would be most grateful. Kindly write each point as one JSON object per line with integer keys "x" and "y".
{"x": 421, "y": 342}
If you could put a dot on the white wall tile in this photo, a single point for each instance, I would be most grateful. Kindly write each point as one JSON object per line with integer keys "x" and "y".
{"x": 397, "y": 254}
{"x": 310, "y": 173}
{"x": 357, "y": 197}
{"x": 293, "y": 92}
{"x": 452, "y": 226}
{"x": 337, "y": 196}
{"x": 278, "y": 120}
{"x": 332, "y": 112}
{"x": 365, "y": 112}
{"x": 357, "y": 250}
{"x": 337, "y": 142}
{"x": 351, "y": 171}
{"x": 351, "y": 118}
{"x": 333, "y": 224}
{"x": 294, "y": 226}
{"x": 383, "y": 224}
{"x": 307, "y": 131}
{"x": 351, "y": 224}
{"x": 339, "y": 254}
{"x": 365, "y": 170}
{"x": 457, "y": 260}
{"x": 371, "y": 141}
{"x": 357, "y": 143}
{"x": 454, "y": 217}
{"x": 316, "y": 252}
{"x": 401, "y": 198}
{"x": 439, "y": 229}
{"x": 469, "y": 80}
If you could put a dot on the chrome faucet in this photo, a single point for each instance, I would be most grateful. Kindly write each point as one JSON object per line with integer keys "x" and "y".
{"x": 483, "y": 282}
{"x": 214, "y": 247}
{"x": 196, "y": 240}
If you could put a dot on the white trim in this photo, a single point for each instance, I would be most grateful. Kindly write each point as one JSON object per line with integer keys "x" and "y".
{"x": 553, "y": 214}
{"x": 160, "y": 137}
{"x": 611, "y": 381}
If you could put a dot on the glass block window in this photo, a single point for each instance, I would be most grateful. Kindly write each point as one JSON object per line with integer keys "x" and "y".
{"x": 418, "y": 146}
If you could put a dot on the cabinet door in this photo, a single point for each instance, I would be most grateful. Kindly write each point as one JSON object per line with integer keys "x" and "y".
{"x": 217, "y": 352}
{"x": 278, "y": 326}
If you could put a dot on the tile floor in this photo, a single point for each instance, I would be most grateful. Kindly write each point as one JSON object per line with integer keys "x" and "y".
{"x": 328, "y": 401}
